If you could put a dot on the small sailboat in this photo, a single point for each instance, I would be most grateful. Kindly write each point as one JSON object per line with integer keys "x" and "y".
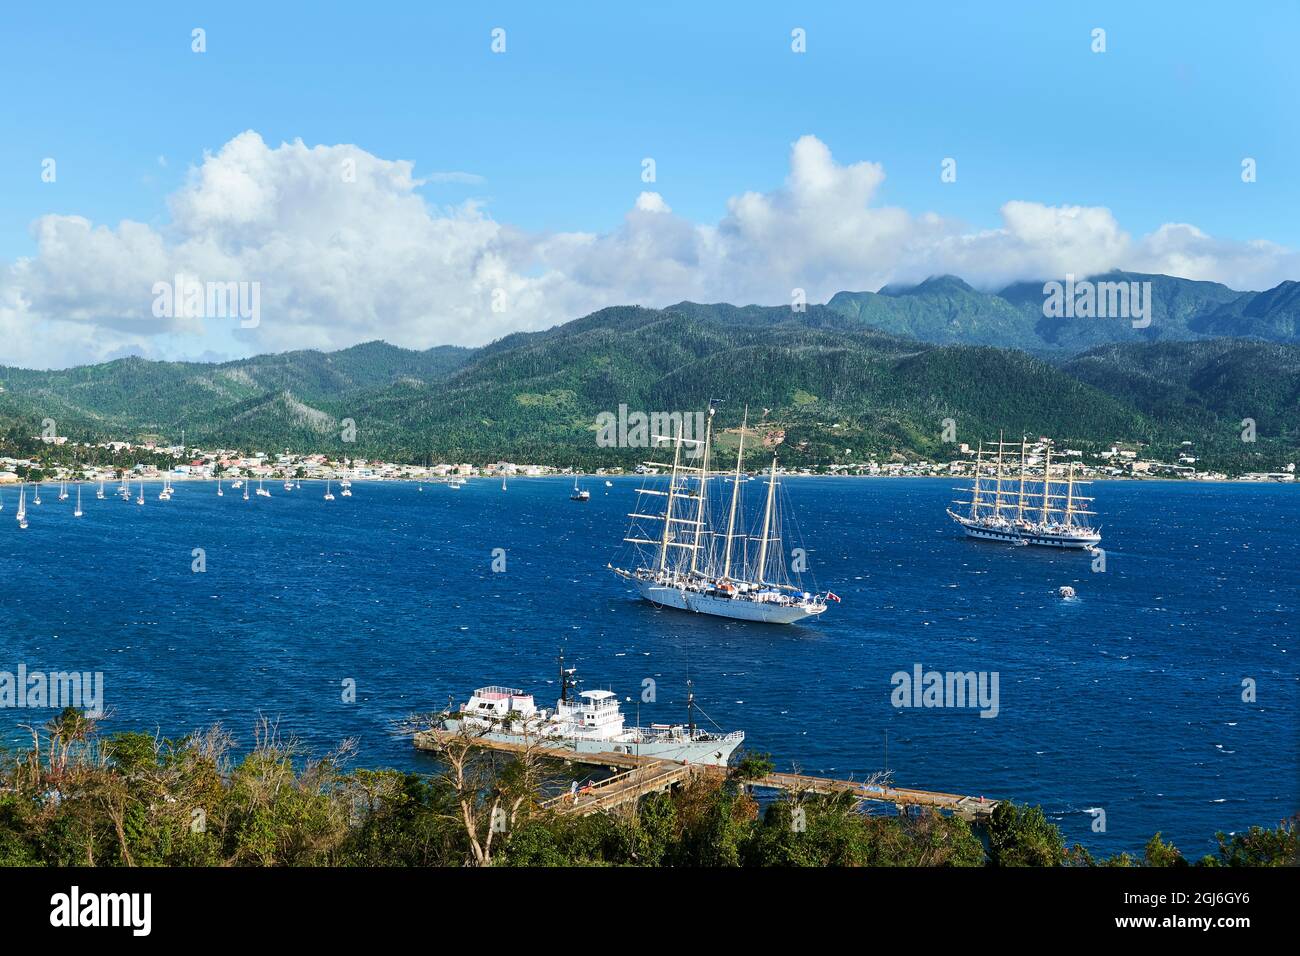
{"x": 579, "y": 494}
{"x": 262, "y": 491}
{"x": 245, "y": 490}
{"x": 329, "y": 495}
{"x": 609, "y": 484}
{"x": 346, "y": 487}
{"x": 503, "y": 484}
{"x": 63, "y": 491}
{"x": 77, "y": 513}
{"x": 100, "y": 493}
{"x": 22, "y": 507}
{"x": 166, "y": 493}
{"x": 36, "y": 495}
{"x": 2, "y": 500}
{"x": 140, "y": 498}
{"x": 237, "y": 484}
{"x": 288, "y": 485}
{"x": 220, "y": 493}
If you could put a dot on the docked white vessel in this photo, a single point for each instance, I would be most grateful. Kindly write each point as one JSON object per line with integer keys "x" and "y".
{"x": 689, "y": 562}
{"x": 588, "y": 721}
{"x": 1016, "y": 507}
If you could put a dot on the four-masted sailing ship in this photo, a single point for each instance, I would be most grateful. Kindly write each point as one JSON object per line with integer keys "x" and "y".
{"x": 687, "y": 561}
{"x": 1013, "y": 506}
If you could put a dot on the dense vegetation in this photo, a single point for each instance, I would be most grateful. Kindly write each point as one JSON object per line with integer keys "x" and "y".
{"x": 130, "y": 799}
{"x": 946, "y": 310}
{"x": 824, "y": 382}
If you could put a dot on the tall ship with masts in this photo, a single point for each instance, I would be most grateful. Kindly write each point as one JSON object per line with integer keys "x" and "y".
{"x": 694, "y": 557}
{"x": 1011, "y": 503}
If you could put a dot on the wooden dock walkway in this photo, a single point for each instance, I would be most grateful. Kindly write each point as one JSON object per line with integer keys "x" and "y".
{"x": 624, "y": 787}
{"x": 970, "y": 808}
{"x": 638, "y": 776}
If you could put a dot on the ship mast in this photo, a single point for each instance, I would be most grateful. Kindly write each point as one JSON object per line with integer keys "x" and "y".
{"x": 1020, "y": 502}
{"x": 1069, "y": 496}
{"x": 997, "y": 489}
{"x": 735, "y": 494}
{"x": 975, "y": 498}
{"x": 761, "y": 569}
{"x": 1047, "y": 482}
{"x": 690, "y": 707}
{"x": 564, "y": 680}
{"x": 702, "y": 490}
{"x": 672, "y": 491}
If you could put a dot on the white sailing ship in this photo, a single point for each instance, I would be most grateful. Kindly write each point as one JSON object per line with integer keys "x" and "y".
{"x": 589, "y": 721}
{"x": 1018, "y": 506}
{"x": 691, "y": 564}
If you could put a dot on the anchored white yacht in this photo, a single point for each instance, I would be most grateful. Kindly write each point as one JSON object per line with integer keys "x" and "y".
{"x": 588, "y": 721}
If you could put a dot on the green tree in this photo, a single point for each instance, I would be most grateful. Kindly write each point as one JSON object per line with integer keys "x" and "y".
{"x": 1022, "y": 836}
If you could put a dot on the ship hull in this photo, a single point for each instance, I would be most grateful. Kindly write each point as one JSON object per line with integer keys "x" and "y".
{"x": 736, "y": 610}
{"x": 713, "y": 753}
{"x": 1074, "y": 541}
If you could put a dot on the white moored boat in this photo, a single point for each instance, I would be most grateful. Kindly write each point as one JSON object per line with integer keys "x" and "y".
{"x": 692, "y": 564}
{"x": 588, "y": 721}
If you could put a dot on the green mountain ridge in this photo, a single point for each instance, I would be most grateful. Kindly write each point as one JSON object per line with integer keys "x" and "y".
{"x": 946, "y": 310}
{"x": 828, "y": 383}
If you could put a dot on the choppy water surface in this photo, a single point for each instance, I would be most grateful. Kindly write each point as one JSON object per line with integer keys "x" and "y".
{"x": 1128, "y": 698}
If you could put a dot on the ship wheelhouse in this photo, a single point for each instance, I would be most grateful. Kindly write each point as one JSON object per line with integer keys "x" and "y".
{"x": 594, "y": 713}
{"x": 498, "y": 703}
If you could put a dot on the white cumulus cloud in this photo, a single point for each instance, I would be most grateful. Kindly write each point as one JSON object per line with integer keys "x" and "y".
{"x": 345, "y": 248}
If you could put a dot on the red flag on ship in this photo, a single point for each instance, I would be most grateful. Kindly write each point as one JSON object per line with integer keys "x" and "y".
{"x": 832, "y": 596}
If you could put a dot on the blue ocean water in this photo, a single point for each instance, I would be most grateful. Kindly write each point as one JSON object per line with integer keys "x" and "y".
{"x": 1128, "y": 698}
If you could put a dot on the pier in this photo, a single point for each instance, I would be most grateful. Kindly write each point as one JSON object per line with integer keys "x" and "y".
{"x": 636, "y": 776}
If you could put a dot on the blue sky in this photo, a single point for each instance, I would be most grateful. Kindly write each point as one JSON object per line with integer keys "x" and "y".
{"x": 1154, "y": 129}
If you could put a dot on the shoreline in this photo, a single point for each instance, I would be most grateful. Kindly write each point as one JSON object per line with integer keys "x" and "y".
{"x": 756, "y": 476}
